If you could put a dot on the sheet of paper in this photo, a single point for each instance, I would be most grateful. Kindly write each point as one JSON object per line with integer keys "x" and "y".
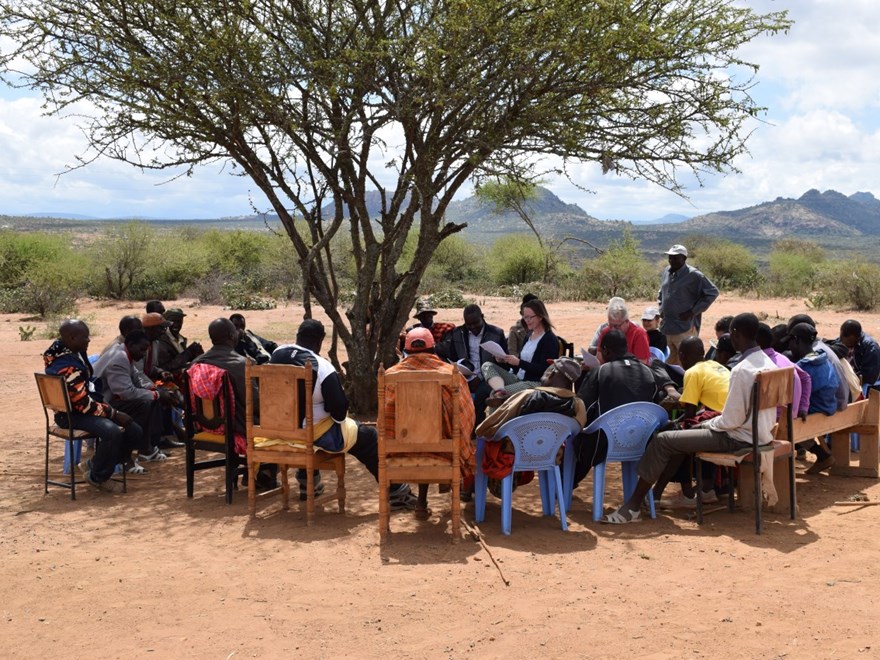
{"x": 494, "y": 349}
{"x": 590, "y": 360}
{"x": 467, "y": 373}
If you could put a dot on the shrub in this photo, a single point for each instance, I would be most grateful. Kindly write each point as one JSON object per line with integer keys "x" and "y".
{"x": 517, "y": 258}
{"x": 728, "y": 264}
{"x": 619, "y": 271}
{"x": 851, "y": 284}
{"x": 241, "y": 297}
{"x": 794, "y": 266}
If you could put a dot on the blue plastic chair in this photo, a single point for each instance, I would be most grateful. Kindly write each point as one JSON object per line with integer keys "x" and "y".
{"x": 627, "y": 428}
{"x": 536, "y": 440}
{"x": 657, "y": 354}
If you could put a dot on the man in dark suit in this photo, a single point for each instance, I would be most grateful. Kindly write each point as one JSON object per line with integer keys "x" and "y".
{"x": 463, "y": 345}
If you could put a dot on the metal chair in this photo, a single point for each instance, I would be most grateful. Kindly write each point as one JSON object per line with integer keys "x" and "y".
{"x": 536, "y": 440}
{"x": 627, "y": 429}
{"x": 210, "y": 426}
{"x": 53, "y": 395}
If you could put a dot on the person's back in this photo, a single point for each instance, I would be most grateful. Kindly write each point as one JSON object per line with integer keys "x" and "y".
{"x": 706, "y": 383}
{"x": 824, "y": 382}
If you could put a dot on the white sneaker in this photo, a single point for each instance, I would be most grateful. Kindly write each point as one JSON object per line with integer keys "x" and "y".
{"x": 678, "y": 501}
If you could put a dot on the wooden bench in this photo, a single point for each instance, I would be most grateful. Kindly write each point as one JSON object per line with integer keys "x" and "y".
{"x": 862, "y": 417}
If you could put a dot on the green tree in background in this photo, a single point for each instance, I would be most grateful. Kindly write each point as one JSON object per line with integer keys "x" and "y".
{"x": 321, "y": 101}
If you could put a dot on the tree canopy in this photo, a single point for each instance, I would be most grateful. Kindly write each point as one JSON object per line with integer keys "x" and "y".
{"x": 320, "y": 101}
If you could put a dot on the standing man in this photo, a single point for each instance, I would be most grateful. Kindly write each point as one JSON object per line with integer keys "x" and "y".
{"x": 117, "y": 432}
{"x": 685, "y": 293}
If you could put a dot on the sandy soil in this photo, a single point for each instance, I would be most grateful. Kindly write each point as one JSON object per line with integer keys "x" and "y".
{"x": 153, "y": 574}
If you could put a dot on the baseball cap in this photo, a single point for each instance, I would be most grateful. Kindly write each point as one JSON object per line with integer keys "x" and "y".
{"x": 568, "y": 367}
{"x": 153, "y": 319}
{"x": 418, "y": 339}
{"x": 174, "y": 312}
{"x": 650, "y": 313}
{"x": 678, "y": 249}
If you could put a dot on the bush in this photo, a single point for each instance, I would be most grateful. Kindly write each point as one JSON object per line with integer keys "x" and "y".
{"x": 241, "y": 297}
{"x": 517, "y": 258}
{"x": 619, "y": 271}
{"x": 794, "y": 266}
{"x": 849, "y": 285}
{"x": 728, "y": 264}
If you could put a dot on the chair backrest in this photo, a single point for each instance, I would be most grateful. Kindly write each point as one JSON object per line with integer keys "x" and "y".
{"x": 53, "y": 393}
{"x": 657, "y": 354}
{"x": 285, "y": 403}
{"x": 628, "y": 428}
{"x": 411, "y": 419}
{"x": 566, "y": 348}
{"x": 537, "y": 437}
{"x": 774, "y": 388}
{"x": 214, "y": 414}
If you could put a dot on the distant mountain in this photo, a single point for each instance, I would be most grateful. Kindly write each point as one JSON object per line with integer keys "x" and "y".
{"x": 60, "y": 216}
{"x": 668, "y": 219}
{"x": 813, "y": 214}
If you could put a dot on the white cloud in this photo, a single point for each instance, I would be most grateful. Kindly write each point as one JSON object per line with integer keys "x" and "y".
{"x": 821, "y": 83}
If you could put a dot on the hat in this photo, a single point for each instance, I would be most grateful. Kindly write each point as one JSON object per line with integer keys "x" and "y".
{"x": 803, "y": 331}
{"x": 678, "y": 249}
{"x": 418, "y": 339}
{"x": 153, "y": 319}
{"x": 650, "y": 313}
{"x": 174, "y": 312}
{"x": 424, "y": 306}
{"x": 568, "y": 367}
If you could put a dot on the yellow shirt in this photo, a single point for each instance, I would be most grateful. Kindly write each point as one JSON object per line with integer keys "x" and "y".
{"x": 706, "y": 383}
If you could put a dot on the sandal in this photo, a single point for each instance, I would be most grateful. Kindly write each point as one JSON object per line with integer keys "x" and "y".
{"x": 405, "y": 502}
{"x": 156, "y": 456}
{"x": 137, "y": 468}
{"x": 622, "y": 516}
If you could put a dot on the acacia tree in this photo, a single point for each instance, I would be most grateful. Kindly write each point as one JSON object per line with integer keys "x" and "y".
{"x": 321, "y": 101}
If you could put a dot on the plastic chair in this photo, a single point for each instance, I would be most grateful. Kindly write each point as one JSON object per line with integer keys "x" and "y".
{"x": 657, "y": 354}
{"x": 536, "y": 441}
{"x": 627, "y": 429}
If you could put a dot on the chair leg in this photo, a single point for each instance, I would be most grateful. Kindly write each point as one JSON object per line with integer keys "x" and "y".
{"x": 310, "y": 495}
{"x": 598, "y": 492}
{"x": 555, "y": 475}
{"x": 480, "y": 484}
{"x": 72, "y": 472}
{"x": 698, "y": 468}
{"x": 546, "y": 494}
{"x": 384, "y": 507}
{"x": 190, "y": 468}
{"x": 340, "y": 484}
{"x": 46, "y": 473}
{"x": 792, "y": 496}
{"x": 252, "y": 489}
{"x": 229, "y": 474}
{"x": 568, "y": 462}
{"x": 759, "y": 499}
{"x": 456, "y": 507}
{"x": 506, "y": 503}
{"x": 285, "y": 487}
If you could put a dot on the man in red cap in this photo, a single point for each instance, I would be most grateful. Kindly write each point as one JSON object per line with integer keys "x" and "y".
{"x": 421, "y": 356}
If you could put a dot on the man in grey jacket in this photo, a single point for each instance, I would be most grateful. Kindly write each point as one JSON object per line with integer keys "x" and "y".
{"x": 685, "y": 293}
{"x": 126, "y": 389}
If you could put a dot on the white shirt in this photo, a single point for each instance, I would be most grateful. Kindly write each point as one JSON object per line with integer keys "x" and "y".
{"x": 474, "y": 342}
{"x": 528, "y": 352}
{"x": 736, "y": 418}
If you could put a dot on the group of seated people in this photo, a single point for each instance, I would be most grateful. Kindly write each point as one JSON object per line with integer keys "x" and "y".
{"x": 135, "y": 406}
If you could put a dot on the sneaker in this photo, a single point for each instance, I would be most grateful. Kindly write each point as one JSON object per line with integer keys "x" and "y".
{"x": 319, "y": 488}
{"x": 136, "y": 468}
{"x": 108, "y": 486}
{"x": 153, "y": 457}
{"x": 678, "y": 501}
{"x": 710, "y": 497}
{"x": 169, "y": 442}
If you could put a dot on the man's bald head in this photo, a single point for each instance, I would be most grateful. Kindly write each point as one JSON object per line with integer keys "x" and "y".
{"x": 223, "y": 332}
{"x": 74, "y": 335}
{"x": 690, "y": 351}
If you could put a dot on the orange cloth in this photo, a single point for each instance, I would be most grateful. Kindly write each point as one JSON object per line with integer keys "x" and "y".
{"x": 466, "y": 415}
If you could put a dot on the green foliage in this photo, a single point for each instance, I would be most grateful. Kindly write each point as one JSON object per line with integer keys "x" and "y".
{"x": 26, "y": 333}
{"x": 240, "y": 297}
{"x": 449, "y": 299}
{"x": 120, "y": 258}
{"x": 517, "y": 258}
{"x": 728, "y": 264}
{"x": 455, "y": 261}
{"x": 851, "y": 284}
{"x": 619, "y": 271}
{"x": 794, "y": 267}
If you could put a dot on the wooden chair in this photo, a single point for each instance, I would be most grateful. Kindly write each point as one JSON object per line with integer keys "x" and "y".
{"x": 285, "y": 416}
{"x": 772, "y": 389}
{"x": 203, "y": 419}
{"x": 415, "y": 449}
{"x": 53, "y": 395}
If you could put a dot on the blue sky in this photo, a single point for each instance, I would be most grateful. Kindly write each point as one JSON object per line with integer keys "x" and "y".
{"x": 821, "y": 83}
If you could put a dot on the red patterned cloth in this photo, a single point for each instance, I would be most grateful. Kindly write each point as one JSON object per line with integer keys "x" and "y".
{"x": 204, "y": 382}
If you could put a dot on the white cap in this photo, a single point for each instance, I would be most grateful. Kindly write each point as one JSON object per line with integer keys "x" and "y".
{"x": 678, "y": 249}
{"x": 650, "y": 313}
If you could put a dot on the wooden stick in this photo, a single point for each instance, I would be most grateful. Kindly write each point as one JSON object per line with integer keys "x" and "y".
{"x": 478, "y": 536}
{"x": 864, "y": 503}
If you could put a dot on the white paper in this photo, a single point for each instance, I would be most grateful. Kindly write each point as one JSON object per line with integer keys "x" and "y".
{"x": 467, "y": 373}
{"x": 590, "y": 360}
{"x": 494, "y": 349}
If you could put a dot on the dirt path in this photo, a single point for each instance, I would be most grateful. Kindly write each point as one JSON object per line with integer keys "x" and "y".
{"x": 153, "y": 574}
